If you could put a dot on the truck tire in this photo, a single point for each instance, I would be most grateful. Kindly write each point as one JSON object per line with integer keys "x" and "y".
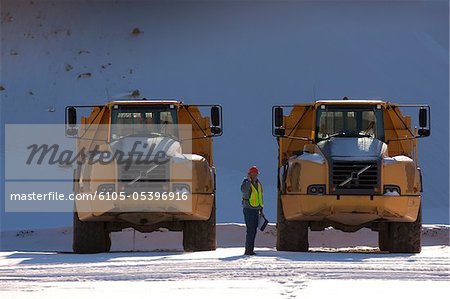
{"x": 383, "y": 237}
{"x": 401, "y": 237}
{"x": 406, "y": 237}
{"x": 90, "y": 237}
{"x": 200, "y": 235}
{"x": 291, "y": 235}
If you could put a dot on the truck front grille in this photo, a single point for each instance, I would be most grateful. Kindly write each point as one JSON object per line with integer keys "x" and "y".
{"x": 354, "y": 177}
{"x": 145, "y": 177}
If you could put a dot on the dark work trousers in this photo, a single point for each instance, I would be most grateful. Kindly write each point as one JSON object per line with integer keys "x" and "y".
{"x": 251, "y": 221}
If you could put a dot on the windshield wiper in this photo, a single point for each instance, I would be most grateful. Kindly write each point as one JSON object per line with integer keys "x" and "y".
{"x": 152, "y": 134}
{"x": 347, "y": 134}
{"x": 364, "y": 134}
{"x": 337, "y": 134}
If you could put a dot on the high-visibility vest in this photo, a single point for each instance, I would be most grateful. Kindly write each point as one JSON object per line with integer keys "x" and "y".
{"x": 255, "y": 199}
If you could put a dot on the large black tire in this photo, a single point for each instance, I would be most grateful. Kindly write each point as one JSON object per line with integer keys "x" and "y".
{"x": 200, "y": 235}
{"x": 383, "y": 238}
{"x": 406, "y": 237}
{"x": 291, "y": 235}
{"x": 402, "y": 237}
{"x": 90, "y": 237}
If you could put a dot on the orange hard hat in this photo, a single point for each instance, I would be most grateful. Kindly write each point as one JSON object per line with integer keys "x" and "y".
{"x": 253, "y": 169}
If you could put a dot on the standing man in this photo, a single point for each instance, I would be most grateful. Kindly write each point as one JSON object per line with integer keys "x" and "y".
{"x": 252, "y": 202}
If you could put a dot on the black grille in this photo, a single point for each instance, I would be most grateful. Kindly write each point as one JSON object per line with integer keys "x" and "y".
{"x": 363, "y": 175}
{"x": 145, "y": 177}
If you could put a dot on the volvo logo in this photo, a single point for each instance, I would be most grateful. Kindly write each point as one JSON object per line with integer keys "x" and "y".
{"x": 354, "y": 176}
{"x": 143, "y": 174}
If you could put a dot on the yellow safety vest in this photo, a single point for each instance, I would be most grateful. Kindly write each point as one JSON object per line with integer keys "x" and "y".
{"x": 255, "y": 199}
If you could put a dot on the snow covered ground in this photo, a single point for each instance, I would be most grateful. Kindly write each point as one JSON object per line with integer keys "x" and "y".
{"x": 37, "y": 264}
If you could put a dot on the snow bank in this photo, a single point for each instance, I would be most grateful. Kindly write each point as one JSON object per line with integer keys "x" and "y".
{"x": 228, "y": 235}
{"x": 245, "y": 55}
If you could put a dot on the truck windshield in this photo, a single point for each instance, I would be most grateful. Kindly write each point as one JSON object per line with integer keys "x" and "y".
{"x": 348, "y": 121}
{"x": 144, "y": 120}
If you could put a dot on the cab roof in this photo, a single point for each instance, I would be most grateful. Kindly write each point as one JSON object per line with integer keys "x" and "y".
{"x": 345, "y": 102}
{"x": 143, "y": 102}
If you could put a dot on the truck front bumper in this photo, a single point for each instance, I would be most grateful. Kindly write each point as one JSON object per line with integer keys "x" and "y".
{"x": 199, "y": 208}
{"x": 350, "y": 209}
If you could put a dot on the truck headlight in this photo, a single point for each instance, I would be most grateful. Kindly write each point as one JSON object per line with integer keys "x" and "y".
{"x": 106, "y": 188}
{"x": 392, "y": 190}
{"x": 182, "y": 188}
{"x": 316, "y": 189}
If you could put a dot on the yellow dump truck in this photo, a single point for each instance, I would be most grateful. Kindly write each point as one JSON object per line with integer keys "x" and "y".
{"x": 145, "y": 164}
{"x": 349, "y": 164}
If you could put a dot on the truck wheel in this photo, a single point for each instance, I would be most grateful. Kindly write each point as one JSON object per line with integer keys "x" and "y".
{"x": 383, "y": 238}
{"x": 406, "y": 237}
{"x": 90, "y": 237}
{"x": 200, "y": 235}
{"x": 291, "y": 235}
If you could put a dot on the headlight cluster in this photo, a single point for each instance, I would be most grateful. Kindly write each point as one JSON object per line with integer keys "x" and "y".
{"x": 106, "y": 188}
{"x": 391, "y": 189}
{"x": 316, "y": 189}
{"x": 182, "y": 188}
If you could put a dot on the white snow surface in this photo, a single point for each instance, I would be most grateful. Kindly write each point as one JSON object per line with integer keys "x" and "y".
{"x": 39, "y": 264}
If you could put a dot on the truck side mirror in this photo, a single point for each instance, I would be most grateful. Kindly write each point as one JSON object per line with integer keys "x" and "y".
{"x": 72, "y": 116}
{"x": 423, "y": 122}
{"x": 215, "y": 116}
{"x": 423, "y": 117}
{"x": 278, "y": 115}
{"x": 215, "y": 120}
{"x": 71, "y": 121}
